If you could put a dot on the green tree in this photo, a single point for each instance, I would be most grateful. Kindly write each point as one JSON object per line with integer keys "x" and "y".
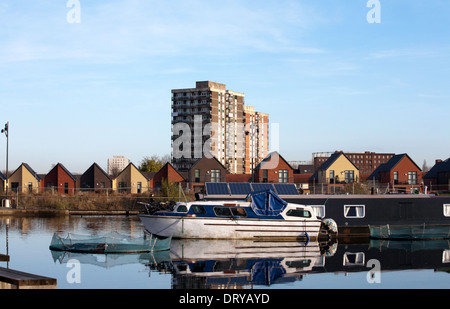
{"x": 153, "y": 163}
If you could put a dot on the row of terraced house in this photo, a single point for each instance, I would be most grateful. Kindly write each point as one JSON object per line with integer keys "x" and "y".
{"x": 328, "y": 174}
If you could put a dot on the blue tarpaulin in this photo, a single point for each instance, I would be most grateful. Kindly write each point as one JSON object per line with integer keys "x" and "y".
{"x": 267, "y": 203}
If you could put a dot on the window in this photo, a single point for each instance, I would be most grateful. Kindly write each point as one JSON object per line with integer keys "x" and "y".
{"x": 197, "y": 175}
{"x": 331, "y": 176}
{"x": 283, "y": 176}
{"x": 265, "y": 175}
{"x": 299, "y": 212}
{"x": 447, "y": 210}
{"x": 239, "y": 212}
{"x": 66, "y": 188}
{"x": 349, "y": 176}
{"x": 222, "y": 211}
{"x": 215, "y": 175}
{"x": 199, "y": 210}
{"x": 319, "y": 210}
{"x": 395, "y": 178}
{"x": 354, "y": 259}
{"x": 15, "y": 186}
{"x": 30, "y": 187}
{"x": 354, "y": 211}
{"x": 139, "y": 187}
{"x": 412, "y": 178}
{"x": 182, "y": 208}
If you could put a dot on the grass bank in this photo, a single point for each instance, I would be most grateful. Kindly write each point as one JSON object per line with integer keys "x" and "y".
{"x": 83, "y": 201}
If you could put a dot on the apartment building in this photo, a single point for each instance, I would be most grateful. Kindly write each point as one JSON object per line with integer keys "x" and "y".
{"x": 210, "y": 120}
{"x": 256, "y": 137}
{"x": 116, "y": 164}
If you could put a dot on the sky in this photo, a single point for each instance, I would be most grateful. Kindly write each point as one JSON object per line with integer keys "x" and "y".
{"x": 82, "y": 81}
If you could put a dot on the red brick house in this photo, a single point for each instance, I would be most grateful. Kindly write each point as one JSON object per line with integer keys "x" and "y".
{"x": 167, "y": 172}
{"x": 61, "y": 180}
{"x": 205, "y": 170}
{"x": 273, "y": 169}
{"x": 400, "y": 172}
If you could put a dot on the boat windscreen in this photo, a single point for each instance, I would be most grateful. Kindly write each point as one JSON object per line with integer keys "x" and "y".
{"x": 267, "y": 203}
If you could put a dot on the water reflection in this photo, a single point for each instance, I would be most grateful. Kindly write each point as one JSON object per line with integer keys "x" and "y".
{"x": 205, "y": 264}
{"x": 211, "y": 264}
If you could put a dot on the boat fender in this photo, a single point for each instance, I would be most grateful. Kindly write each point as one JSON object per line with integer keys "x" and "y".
{"x": 330, "y": 224}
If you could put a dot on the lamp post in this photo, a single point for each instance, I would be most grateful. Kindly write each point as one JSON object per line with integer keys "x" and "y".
{"x": 6, "y": 131}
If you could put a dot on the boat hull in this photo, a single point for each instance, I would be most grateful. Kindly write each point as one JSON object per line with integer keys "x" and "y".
{"x": 410, "y": 232}
{"x": 215, "y": 228}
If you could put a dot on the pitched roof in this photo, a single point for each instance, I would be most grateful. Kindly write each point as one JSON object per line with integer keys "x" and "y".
{"x": 2, "y": 177}
{"x": 165, "y": 170}
{"x": 65, "y": 170}
{"x": 206, "y": 158}
{"x": 443, "y": 166}
{"x": 131, "y": 164}
{"x": 30, "y": 170}
{"x": 267, "y": 159}
{"x": 325, "y": 165}
{"x": 389, "y": 165}
{"x": 95, "y": 165}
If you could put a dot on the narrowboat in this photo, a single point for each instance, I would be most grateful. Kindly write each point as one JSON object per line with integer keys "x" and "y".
{"x": 261, "y": 216}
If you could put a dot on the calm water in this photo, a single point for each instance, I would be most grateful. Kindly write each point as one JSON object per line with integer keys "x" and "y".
{"x": 212, "y": 264}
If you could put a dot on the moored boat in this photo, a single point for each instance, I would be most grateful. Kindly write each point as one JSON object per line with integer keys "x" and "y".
{"x": 410, "y": 232}
{"x": 262, "y": 216}
{"x": 108, "y": 244}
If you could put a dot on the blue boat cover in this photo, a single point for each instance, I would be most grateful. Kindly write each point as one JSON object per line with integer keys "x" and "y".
{"x": 267, "y": 203}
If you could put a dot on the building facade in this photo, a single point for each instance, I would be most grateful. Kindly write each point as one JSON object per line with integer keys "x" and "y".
{"x": 273, "y": 169}
{"x": 366, "y": 161}
{"x": 401, "y": 174}
{"x": 61, "y": 180}
{"x": 208, "y": 120}
{"x": 256, "y": 138}
{"x": 95, "y": 178}
{"x": 116, "y": 164}
{"x": 24, "y": 180}
{"x": 131, "y": 181}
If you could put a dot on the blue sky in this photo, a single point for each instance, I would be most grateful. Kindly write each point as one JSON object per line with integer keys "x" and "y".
{"x": 78, "y": 93}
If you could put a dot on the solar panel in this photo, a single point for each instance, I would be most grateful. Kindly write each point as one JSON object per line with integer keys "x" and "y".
{"x": 217, "y": 188}
{"x": 262, "y": 186}
{"x": 240, "y": 188}
{"x": 286, "y": 189}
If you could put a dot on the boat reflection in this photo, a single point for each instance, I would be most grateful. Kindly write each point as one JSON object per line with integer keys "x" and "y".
{"x": 205, "y": 264}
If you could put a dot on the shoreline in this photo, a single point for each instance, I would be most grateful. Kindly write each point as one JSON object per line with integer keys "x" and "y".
{"x": 58, "y": 212}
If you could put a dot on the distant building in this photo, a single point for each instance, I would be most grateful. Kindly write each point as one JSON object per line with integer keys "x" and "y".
{"x": 401, "y": 173}
{"x": 61, "y": 179}
{"x": 338, "y": 169}
{"x": 209, "y": 113}
{"x": 366, "y": 162}
{"x": 256, "y": 138}
{"x": 116, "y": 164}
{"x": 273, "y": 169}
{"x": 24, "y": 179}
{"x": 131, "y": 180}
{"x": 95, "y": 178}
{"x": 438, "y": 177}
{"x": 206, "y": 170}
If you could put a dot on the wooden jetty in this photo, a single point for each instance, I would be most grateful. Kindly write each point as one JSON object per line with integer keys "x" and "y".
{"x": 13, "y": 279}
